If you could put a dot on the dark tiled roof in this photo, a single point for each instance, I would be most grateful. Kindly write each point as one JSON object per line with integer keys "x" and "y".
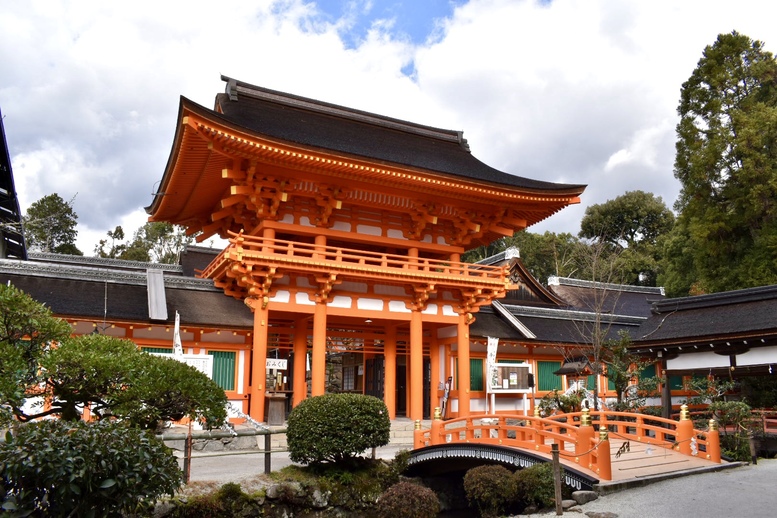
{"x": 530, "y": 291}
{"x": 575, "y": 366}
{"x": 730, "y": 313}
{"x": 501, "y": 257}
{"x": 194, "y": 259}
{"x": 547, "y": 324}
{"x": 362, "y": 134}
{"x": 620, "y": 299}
{"x": 88, "y": 292}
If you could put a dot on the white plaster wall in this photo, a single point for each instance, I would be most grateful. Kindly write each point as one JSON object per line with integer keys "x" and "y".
{"x": 704, "y": 360}
{"x": 758, "y": 356}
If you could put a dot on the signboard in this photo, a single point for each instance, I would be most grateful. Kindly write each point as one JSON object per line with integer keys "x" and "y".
{"x": 277, "y": 364}
{"x": 201, "y": 362}
{"x": 511, "y": 378}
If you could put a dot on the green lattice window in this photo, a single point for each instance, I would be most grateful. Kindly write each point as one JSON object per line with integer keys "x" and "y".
{"x": 546, "y": 380}
{"x": 476, "y": 374}
{"x": 224, "y": 368}
{"x": 676, "y": 383}
{"x": 648, "y": 372}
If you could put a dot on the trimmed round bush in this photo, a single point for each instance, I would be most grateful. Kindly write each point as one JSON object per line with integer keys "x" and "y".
{"x": 491, "y": 488}
{"x": 336, "y": 428}
{"x": 62, "y": 468}
{"x": 408, "y": 500}
{"x": 534, "y": 486}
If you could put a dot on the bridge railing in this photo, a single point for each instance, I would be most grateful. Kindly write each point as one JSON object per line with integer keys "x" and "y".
{"x": 657, "y": 431}
{"x": 575, "y": 434}
{"x": 577, "y": 442}
{"x": 767, "y": 419}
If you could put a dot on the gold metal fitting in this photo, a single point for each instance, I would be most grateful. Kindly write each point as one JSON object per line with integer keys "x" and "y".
{"x": 604, "y": 435}
{"x": 437, "y": 413}
{"x": 713, "y": 425}
{"x": 536, "y": 411}
{"x": 684, "y": 414}
{"x": 585, "y": 419}
{"x": 417, "y": 424}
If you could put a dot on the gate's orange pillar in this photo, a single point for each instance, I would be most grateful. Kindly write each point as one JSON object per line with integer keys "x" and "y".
{"x": 463, "y": 374}
{"x": 318, "y": 354}
{"x": 390, "y": 371}
{"x": 300, "y": 361}
{"x": 434, "y": 380}
{"x": 318, "y": 360}
{"x": 416, "y": 366}
{"x": 259, "y": 362}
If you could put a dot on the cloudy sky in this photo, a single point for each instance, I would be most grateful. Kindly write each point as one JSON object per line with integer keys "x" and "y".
{"x": 576, "y": 91}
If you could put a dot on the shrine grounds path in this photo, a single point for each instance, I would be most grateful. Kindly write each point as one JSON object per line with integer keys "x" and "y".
{"x": 745, "y": 492}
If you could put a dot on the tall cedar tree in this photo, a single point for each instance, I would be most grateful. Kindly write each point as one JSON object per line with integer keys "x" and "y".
{"x": 726, "y": 233}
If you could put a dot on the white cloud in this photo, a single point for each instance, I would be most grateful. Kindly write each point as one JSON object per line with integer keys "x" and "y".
{"x": 573, "y": 91}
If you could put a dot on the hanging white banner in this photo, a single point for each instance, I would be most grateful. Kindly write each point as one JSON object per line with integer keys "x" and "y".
{"x": 177, "y": 346}
{"x": 491, "y": 372}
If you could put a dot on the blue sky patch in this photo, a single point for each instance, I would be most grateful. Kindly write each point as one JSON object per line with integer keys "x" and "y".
{"x": 411, "y": 19}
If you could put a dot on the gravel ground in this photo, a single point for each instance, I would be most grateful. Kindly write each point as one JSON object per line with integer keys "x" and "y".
{"x": 745, "y": 492}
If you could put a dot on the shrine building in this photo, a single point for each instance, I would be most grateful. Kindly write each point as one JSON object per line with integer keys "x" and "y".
{"x": 346, "y": 231}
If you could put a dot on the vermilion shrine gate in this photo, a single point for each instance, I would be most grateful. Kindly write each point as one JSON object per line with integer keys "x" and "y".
{"x": 346, "y": 231}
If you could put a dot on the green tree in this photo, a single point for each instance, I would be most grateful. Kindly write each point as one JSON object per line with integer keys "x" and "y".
{"x": 27, "y": 330}
{"x": 39, "y": 359}
{"x": 116, "y": 249}
{"x": 633, "y": 223}
{"x": 116, "y": 379}
{"x": 624, "y": 367}
{"x": 482, "y": 252}
{"x": 548, "y": 254}
{"x": 159, "y": 242}
{"x": 600, "y": 264}
{"x": 726, "y": 162}
{"x": 544, "y": 255}
{"x": 50, "y": 226}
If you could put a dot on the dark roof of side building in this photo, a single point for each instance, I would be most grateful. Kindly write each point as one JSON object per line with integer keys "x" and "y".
{"x": 605, "y": 297}
{"x": 731, "y": 313}
{"x": 549, "y": 325}
{"x": 358, "y": 133}
{"x": 565, "y": 312}
{"x": 88, "y": 287}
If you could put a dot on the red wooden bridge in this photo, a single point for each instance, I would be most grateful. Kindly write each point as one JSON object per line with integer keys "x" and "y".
{"x": 596, "y": 448}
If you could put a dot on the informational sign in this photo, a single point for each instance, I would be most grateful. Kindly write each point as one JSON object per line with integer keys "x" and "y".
{"x": 511, "y": 377}
{"x": 277, "y": 363}
{"x": 201, "y": 362}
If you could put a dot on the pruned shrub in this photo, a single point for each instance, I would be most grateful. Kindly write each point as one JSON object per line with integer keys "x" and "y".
{"x": 336, "y": 428}
{"x": 491, "y": 488}
{"x": 534, "y": 486}
{"x": 408, "y": 500}
{"x": 61, "y": 468}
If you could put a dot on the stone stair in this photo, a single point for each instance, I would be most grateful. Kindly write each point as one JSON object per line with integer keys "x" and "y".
{"x": 402, "y": 431}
